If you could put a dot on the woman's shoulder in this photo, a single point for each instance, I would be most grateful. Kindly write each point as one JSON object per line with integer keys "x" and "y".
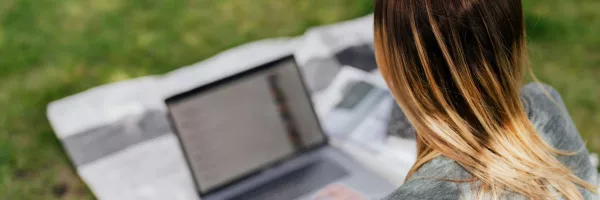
{"x": 553, "y": 122}
{"x": 441, "y": 178}
{"x": 548, "y": 114}
{"x": 426, "y": 189}
{"x": 540, "y": 99}
{"x": 430, "y": 181}
{"x": 545, "y": 109}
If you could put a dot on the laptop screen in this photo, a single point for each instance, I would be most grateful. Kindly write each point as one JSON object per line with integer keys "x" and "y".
{"x": 235, "y": 127}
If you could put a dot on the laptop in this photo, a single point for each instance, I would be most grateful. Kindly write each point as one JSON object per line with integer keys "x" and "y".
{"x": 255, "y": 135}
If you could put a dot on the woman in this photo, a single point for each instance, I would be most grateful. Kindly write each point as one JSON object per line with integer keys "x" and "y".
{"x": 456, "y": 69}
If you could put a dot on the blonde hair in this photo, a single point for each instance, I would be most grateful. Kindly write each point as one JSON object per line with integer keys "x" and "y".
{"x": 456, "y": 67}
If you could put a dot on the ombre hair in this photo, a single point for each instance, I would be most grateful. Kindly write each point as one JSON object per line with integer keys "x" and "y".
{"x": 455, "y": 68}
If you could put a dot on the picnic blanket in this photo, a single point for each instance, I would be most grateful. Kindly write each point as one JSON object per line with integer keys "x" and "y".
{"x": 118, "y": 137}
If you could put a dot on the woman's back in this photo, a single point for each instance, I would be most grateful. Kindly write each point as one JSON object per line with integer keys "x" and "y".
{"x": 432, "y": 180}
{"x": 456, "y": 68}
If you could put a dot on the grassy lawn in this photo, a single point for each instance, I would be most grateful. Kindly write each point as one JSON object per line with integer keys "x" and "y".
{"x": 564, "y": 43}
{"x": 53, "y": 48}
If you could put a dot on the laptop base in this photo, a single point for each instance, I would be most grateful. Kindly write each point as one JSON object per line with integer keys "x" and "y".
{"x": 298, "y": 183}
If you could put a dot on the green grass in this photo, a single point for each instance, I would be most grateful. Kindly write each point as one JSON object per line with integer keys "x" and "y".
{"x": 53, "y": 48}
{"x": 50, "y": 49}
{"x": 564, "y": 43}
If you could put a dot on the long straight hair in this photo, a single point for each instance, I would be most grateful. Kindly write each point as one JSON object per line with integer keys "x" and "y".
{"x": 456, "y": 67}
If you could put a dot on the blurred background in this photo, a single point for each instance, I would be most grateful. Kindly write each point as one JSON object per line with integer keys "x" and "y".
{"x": 50, "y": 49}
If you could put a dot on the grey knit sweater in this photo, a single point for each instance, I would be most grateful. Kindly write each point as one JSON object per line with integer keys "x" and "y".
{"x": 555, "y": 127}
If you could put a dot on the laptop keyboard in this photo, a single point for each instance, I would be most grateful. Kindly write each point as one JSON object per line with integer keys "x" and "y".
{"x": 297, "y": 183}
